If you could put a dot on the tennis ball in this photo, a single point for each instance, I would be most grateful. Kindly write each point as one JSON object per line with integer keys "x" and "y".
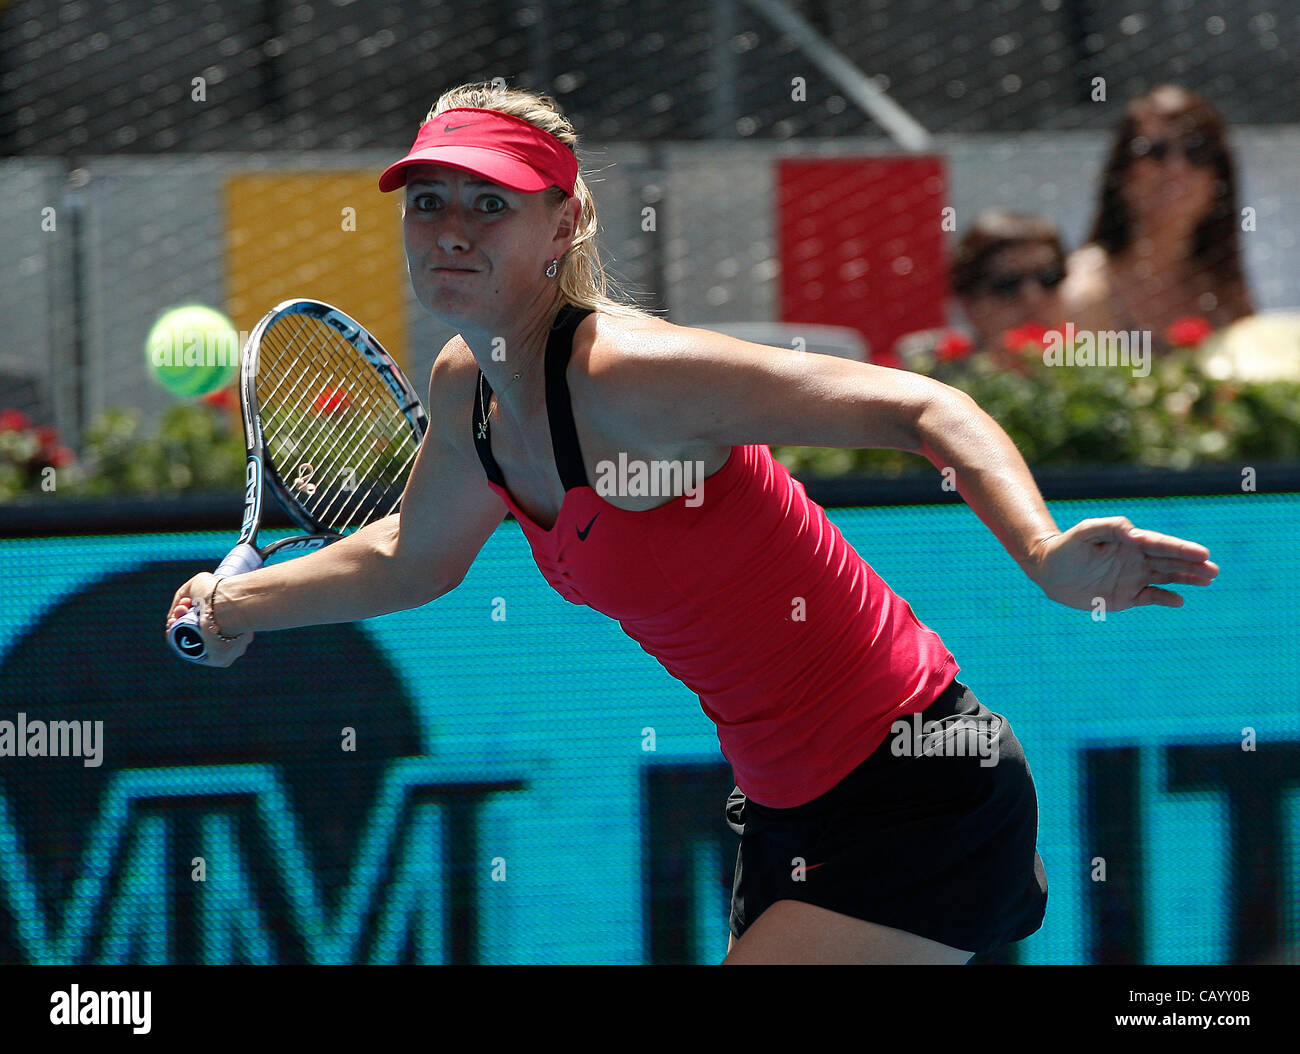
{"x": 193, "y": 350}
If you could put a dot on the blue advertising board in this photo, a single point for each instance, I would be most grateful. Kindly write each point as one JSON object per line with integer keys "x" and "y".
{"x": 503, "y": 777}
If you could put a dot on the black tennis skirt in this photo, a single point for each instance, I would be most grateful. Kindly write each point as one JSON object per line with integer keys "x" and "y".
{"x": 935, "y": 834}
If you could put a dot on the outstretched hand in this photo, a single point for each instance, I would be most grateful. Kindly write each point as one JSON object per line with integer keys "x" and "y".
{"x": 1111, "y": 560}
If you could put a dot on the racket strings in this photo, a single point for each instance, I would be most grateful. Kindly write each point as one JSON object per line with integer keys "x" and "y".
{"x": 324, "y": 440}
{"x": 328, "y": 475}
{"x": 357, "y": 478}
{"x": 327, "y": 413}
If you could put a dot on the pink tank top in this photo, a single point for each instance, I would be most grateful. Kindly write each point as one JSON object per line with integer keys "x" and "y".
{"x": 746, "y": 593}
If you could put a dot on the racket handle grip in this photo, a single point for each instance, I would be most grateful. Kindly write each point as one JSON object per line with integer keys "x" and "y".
{"x": 240, "y": 560}
{"x": 184, "y": 634}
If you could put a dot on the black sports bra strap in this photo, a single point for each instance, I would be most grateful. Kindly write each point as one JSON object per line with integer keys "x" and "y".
{"x": 481, "y": 434}
{"x": 559, "y": 408}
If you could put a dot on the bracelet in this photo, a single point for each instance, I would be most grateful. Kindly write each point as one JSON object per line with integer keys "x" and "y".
{"x": 212, "y": 616}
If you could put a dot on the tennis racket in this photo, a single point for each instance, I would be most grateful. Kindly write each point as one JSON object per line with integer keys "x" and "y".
{"x": 332, "y": 427}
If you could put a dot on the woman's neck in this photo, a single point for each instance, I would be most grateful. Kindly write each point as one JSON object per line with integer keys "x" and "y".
{"x": 513, "y": 359}
{"x": 1159, "y": 249}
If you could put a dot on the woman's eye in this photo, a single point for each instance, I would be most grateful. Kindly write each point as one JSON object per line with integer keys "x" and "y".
{"x": 490, "y": 203}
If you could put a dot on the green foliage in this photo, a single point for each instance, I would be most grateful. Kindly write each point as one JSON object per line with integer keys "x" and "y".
{"x": 1176, "y": 417}
{"x": 195, "y": 448}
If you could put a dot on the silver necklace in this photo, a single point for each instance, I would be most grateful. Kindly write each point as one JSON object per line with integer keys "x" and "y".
{"x": 483, "y": 410}
{"x": 486, "y": 413}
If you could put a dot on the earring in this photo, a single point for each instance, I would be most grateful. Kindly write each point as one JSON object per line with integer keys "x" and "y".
{"x": 553, "y": 269}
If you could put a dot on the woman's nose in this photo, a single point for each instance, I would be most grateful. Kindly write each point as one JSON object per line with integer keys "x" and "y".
{"x": 452, "y": 237}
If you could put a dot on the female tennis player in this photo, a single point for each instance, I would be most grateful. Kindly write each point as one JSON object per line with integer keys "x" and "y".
{"x": 856, "y": 847}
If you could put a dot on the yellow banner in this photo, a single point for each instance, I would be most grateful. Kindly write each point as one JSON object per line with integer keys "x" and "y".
{"x": 328, "y": 236}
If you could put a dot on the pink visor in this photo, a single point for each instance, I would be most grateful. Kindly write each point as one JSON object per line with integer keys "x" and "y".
{"x": 500, "y": 148}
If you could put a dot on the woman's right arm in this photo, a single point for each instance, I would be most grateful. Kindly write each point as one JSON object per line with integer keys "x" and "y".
{"x": 402, "y": 561}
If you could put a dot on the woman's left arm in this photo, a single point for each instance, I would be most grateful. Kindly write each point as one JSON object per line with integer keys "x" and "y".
{"x": 670, "y": 388}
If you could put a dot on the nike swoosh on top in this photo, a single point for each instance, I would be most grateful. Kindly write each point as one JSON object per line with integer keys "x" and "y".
{"x": 455, "y": 127}
{"x": 583, "y": 531}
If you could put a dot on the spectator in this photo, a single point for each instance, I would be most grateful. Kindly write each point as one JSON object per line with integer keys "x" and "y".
{"x": 1008, "y": 273}
{"x": 1164, "y": 244}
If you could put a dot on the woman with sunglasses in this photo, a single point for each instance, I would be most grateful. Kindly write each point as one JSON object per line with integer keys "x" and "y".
{"x": 1164, "y": 244}
{"x": 1008, "y": 272}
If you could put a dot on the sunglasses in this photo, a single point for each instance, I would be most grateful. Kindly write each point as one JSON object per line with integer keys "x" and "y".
{"x": 1194, "y": 151}
{"x": 1007, "y": 285}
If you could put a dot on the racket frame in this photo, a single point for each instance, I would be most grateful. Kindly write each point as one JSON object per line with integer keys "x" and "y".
{"x": 260, "y": 469}
{"x": 261, "y": 474}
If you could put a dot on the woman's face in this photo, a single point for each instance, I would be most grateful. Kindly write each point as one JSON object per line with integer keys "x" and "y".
{"x": 1164, "y": 186}
{"x": 477, "y": 251}
{"x": 1021, "y": 284}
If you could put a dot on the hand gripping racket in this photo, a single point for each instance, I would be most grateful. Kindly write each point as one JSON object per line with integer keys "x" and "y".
{"x": 332, "y": 428}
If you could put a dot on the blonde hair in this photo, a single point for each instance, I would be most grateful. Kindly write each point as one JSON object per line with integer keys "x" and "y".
{"x": 581, "y": 276}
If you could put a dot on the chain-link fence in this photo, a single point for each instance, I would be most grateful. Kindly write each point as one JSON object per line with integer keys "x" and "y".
{"x": 758, "y": 164}
{"x": 95, "y": 78}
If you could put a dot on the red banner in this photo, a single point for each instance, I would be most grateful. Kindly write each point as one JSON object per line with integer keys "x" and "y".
{"x": 861, "y": 244}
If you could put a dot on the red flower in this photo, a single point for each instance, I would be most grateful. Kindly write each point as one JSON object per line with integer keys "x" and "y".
{"x": 1026, "y": 338}
{"x": 331, "y": 400}
{"x": 1188, "y": 332}
{"x": 61, "y": 457}
{"x": 954, "y": 345}
{"x": 47, "y": 437}
{"x": 14, "y": 421}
